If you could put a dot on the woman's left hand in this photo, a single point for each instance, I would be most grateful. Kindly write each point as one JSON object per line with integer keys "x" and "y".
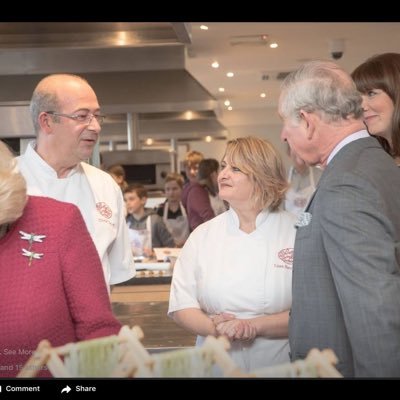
{"x": 222, "y": 317}
{"x": 237, "y": 329}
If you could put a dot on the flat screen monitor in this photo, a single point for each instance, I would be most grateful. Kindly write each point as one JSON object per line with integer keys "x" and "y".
{"x": 141, "y": 173}
{"x": 14, "y": 143}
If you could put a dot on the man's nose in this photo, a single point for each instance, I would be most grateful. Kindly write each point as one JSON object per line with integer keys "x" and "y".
{"x": 94, "y": 124}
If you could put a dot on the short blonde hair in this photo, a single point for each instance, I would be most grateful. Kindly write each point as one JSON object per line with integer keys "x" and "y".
{"x": 258, "y": 159}
{"x": 192, "y": 157}
{"x": 175, "y": 177}
{"x": 13, "y": 195}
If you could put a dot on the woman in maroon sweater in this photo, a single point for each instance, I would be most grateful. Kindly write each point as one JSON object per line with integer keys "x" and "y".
{"x": 195, "y": 197}
{"x": 51, "y": 279}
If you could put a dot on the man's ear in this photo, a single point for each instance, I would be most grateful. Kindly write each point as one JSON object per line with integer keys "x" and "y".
{"x": 309, "y": 119}
{"x": 45, "y": 122}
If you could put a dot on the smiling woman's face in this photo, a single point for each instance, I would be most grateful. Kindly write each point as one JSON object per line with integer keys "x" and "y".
{"x": 234, "y": 185}
{"x": 378, "y": 110}
{"x": 191, "y": 171}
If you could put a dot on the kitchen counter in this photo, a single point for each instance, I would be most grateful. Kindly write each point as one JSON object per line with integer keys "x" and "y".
{"x": 147, "y": 307}
{"x": 145, "y": 277}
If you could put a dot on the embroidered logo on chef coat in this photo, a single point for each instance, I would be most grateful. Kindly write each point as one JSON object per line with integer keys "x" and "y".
{"x": 104, "y": 210}
{"x": 286, "y": 255}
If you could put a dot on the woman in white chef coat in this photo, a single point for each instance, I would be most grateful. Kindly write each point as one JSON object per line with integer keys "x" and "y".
{"x": 233, "y": 276}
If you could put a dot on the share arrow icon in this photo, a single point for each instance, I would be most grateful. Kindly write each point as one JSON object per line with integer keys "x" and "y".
{"x": 66, "y": 389}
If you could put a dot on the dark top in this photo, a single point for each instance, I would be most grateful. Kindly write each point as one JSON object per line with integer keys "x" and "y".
{"x": 171, "y": 214}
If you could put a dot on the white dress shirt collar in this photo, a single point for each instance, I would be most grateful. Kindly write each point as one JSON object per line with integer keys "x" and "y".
{"x": 347, "y": 140}
{"x": 42, "y": 164}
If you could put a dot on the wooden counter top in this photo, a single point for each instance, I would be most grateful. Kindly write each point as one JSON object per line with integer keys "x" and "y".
{"x": 147, "y": 306}
{"x": 149, "y": 277}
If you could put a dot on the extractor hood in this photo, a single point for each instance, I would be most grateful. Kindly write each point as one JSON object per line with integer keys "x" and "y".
{"x": 133, "y": 67}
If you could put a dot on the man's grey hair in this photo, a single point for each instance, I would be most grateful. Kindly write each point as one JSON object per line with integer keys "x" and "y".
{"x": 41, "y": 102}
{"x": 320, "y": 87}
{"x": 44, "y": 99}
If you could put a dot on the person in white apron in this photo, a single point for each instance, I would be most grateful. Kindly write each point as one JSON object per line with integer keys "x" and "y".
{"x": 172, "y": 211}
{"x": 140, "y": 239}
{"x": 146, "y": 228}
{"x": 303, "y": 180}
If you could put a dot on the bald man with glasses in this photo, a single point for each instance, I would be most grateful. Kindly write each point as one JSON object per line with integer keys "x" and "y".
{"x": 67, "y": 121}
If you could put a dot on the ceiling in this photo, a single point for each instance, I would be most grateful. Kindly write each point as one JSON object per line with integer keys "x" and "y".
{"x": 161, "y": 70}
{"x": 243, "y": 48}
{"x": 90, "y": 34}
{"x": 135, "y": 68}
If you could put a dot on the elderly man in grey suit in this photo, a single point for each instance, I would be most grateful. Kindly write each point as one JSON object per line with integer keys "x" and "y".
{"x": 346, "y": 274}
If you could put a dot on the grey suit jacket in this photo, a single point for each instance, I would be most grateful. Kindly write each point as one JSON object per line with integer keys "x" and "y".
{"x": 346, "y": 272}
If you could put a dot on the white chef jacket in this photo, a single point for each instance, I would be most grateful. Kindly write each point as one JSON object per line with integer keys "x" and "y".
{"x": 100, "y": 201}
{"x": 223, "y": 269}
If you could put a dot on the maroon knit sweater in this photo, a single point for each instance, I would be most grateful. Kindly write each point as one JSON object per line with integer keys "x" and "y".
{"x": 62, "y": 296}
{"x": 196, "y": 201}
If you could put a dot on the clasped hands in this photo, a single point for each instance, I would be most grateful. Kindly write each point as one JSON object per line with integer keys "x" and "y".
{"x": 234, "y": 328}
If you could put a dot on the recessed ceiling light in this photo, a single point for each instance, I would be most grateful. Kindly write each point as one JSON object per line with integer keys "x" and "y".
{"x": 204, "y": 27}
{"x": 208, "y": 139}
{"x": 188, "y": 115}
{"x": 221, "y": 89}
{"x": 273, "y": 45}
{"x": 263, "y": 95}
{"x": 230, "y": 108}
{"x": 227, "y": 103}
{"x": 215, "y": 64}
{"x": 230, "y": 74}
{"x": 149, "y": 141}
{"x": 122, "y": 38}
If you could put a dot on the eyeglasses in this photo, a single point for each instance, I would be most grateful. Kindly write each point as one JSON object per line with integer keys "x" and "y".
{"x": 83, "y": 118}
